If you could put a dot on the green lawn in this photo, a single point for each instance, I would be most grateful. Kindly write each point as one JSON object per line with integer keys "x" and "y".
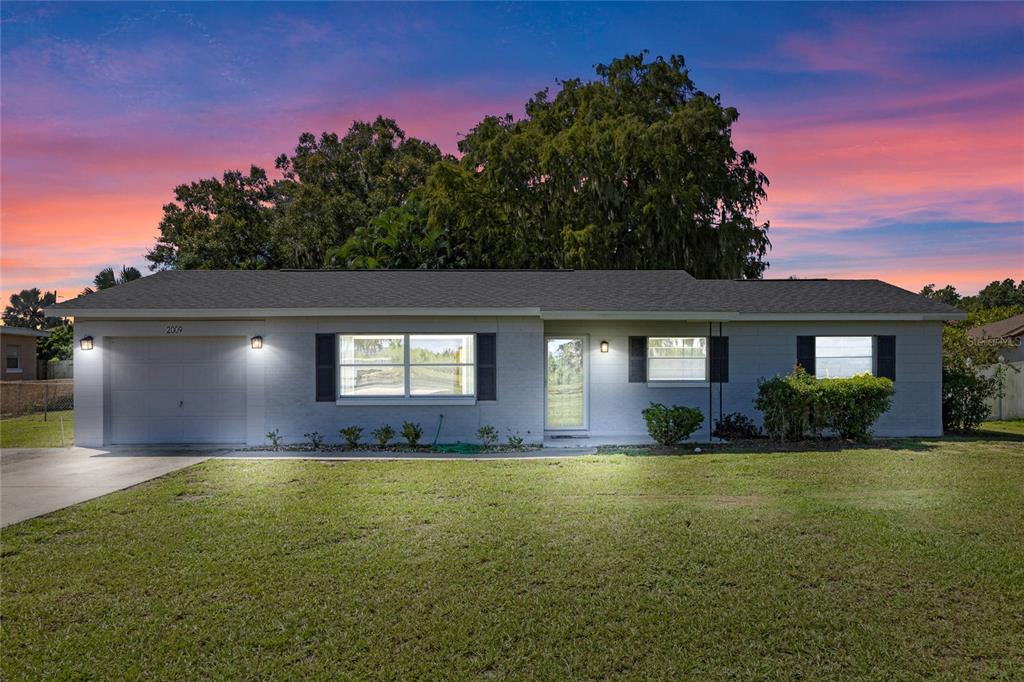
{"x": 1007, "y": 426}
{"x": 30, "y": 431}
{"x": 903, "y": 562}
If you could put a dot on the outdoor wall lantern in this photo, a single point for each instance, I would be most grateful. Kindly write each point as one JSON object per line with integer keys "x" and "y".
{"x": 86, "y": 343}
{"x": 604, "y": 346}
{"x": 256, "y": 342}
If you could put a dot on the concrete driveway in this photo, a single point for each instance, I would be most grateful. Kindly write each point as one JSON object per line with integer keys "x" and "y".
{"x": 35, "y": 481}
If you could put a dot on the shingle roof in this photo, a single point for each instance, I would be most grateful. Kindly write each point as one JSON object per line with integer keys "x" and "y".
{"x": 22, "y": 331}
{"x": 543, "y": 290}
{"x": 1010, "y": 327}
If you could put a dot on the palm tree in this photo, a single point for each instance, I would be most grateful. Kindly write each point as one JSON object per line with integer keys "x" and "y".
{"x": 26, "y": 309}
{"x": 106, "y": 278}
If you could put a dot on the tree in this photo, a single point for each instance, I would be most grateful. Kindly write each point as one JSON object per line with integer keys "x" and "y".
{"x": 397, "y": 238}
{"x": 106, "y": 278}
{"x": 26, "y": 309}
{"x": 1004, "y": 293}
{"x": 633, "y": 170}
{"x": 56, "y": 346}
{"x": 947, "y": 294}
{"x": 330, "y": 186}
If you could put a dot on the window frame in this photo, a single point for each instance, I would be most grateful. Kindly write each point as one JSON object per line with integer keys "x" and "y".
{"x": 678, "y": 382}
{"x": 873, "y": 357}
{"x": 17, "y": 369}
{"x": 407, "y": 396}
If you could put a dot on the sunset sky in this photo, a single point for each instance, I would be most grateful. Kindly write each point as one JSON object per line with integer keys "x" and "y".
{"x": 893, "y": 135}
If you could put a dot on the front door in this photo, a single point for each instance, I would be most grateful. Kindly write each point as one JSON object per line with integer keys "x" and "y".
{"x": 565, "y": 400}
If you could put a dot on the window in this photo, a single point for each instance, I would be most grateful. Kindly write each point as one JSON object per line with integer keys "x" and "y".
{"x": 677, "y": 358}
{"x": 14, "y": 358}
{"x": 407, "y": 365}
{"x": 842, "y": 356}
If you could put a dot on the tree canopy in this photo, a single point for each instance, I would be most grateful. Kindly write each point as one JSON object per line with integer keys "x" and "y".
{"x": 329, "y": 187}
{"x": 107, "y": 278}
{"x": 26, "y": 309}
{"x": 633, "y": 169}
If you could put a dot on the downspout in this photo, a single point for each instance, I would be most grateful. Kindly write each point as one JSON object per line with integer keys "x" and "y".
{"x": 721, "y": 413}
{"x": 711, "y": 428}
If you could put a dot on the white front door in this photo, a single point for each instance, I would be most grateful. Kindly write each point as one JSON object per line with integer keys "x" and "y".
{"x": 565, "y": 394}
{"x": 176, "y": 390}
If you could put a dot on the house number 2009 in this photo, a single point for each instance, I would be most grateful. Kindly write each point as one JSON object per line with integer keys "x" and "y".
{"x": 174, "y": 329}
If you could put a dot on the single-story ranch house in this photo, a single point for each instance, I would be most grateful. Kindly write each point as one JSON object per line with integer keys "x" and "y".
{"x": 226, "y": 356}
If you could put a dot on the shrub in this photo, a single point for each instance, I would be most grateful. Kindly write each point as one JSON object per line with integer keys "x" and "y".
{"x": 965, "y": 396}
{"x": 412, "y": 433}
{"x": 515, "y": 440}
{"x": 671, "y": 425}
{"x": 852, "y": 406}
{"x": 736, "y": 425}
{"x": 799, "y": 405}
{"x": 274, "y": 437}
{"x": 966, "y": 391}
{"x": 351, "y": 434}
{"x": 316, "y": 439}
{"x": 383, "y": 435}
{"x": 487, "y": 435}
{"x": 787, "y": 404}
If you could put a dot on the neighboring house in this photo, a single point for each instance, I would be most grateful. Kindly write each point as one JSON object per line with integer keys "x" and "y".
{"x": 1010, "y": 330}
{"x": 18, "y": 349}
{"x": 226, "y": 356}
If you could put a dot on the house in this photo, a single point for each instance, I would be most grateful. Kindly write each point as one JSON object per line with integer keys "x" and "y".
{"x": 1010, "y": 330}
{"x": 226, "y": 356}
{"x": 18, "y": 349}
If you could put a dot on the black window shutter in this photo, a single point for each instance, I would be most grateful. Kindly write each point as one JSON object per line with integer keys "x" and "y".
{"x": 720, "y": 359}
{"x": 326, "y": 367}
{"x": 637, "y": 359}
{"x": 805, "y": 353}
{"x": 887, "y": 357}
{"x": 486, "y": 366}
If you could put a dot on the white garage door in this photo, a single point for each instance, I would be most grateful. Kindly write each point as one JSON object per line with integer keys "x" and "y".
{"x": 177, "y": 390}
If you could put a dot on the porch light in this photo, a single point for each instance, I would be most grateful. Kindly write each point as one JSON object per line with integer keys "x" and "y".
{"x": 604, "y": 346}
{"x": 86, "y": 343}
{"x": 256, "y": 342}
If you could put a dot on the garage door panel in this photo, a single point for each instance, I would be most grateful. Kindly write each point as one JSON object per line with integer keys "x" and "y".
{"x": 163, "y": 376}
{"x": 128, "y": 404}
{"x": 213, "y": 404}
{"x": 177, "y": 390}
{"x": 146, "y": 430}
{"x": 126, "y": 375}
{"x": 213, "y": 430}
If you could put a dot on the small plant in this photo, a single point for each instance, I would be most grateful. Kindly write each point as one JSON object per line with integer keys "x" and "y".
{"x": 316, "y": 439}
{"x": 275, "y": 438}
{"x": 412, "y": 433}
{"x": 736, "y": 425}
{"x": 515, "y": 440}
{"x": 487, "y": 435}
{"x": 383, "y": 435}
{"x": 351, "y": 435}
{"x": 671, "y": 425}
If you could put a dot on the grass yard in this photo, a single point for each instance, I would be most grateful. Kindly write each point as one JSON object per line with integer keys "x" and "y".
{"x": 899, "y": 562}
{"x": 30, "y": 431}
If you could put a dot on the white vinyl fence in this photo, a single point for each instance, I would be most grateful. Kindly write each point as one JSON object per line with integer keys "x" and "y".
{"x": 1011, "y": 405}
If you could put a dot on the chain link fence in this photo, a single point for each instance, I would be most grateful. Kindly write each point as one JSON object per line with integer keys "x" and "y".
{"x": 37, "y": 398}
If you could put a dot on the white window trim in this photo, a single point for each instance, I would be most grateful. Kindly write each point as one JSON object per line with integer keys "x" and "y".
{"x": 407, "y": 398}
{"x": 679, "y": 383}
{"x": 874, "y": 351}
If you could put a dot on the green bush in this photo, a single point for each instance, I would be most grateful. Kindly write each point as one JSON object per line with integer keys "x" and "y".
{"x": 412, "y": 433}
{"x": 736, "y": 425}
{"x": 383, "y": 435}
{"x": 316, "y": 439}
{"x": 671, "y": 425}
{"x": 801, "y": 406}
{"x": 274, "y": 437}
{"x": 351, "y": 434}
{"x": 965, "y": 396}
{"x": 487, "y": 435}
